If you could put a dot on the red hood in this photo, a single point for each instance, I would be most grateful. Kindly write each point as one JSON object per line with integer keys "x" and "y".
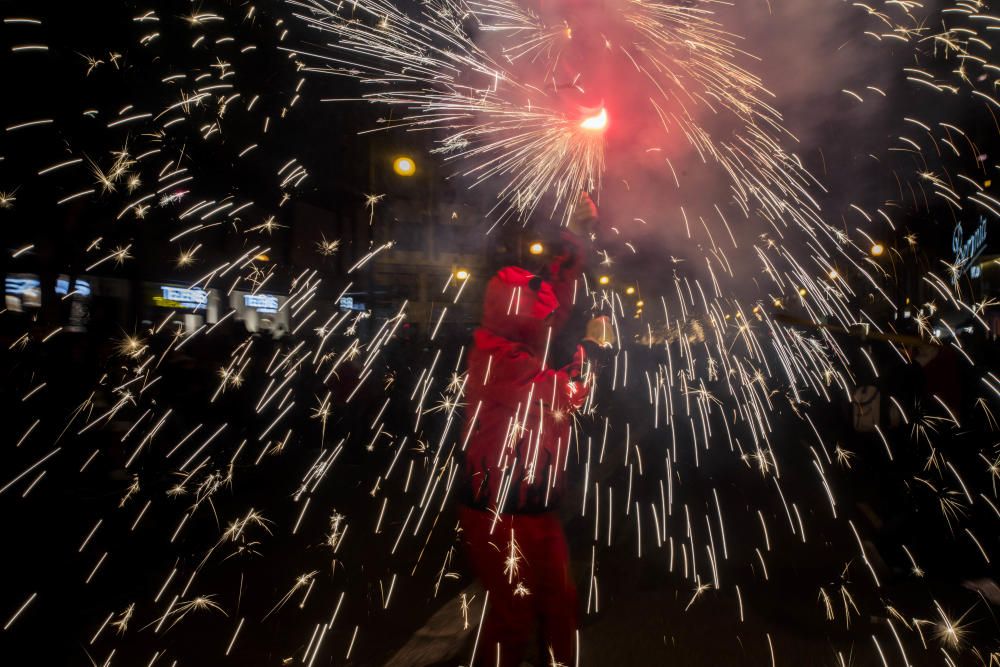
{"x": 517, "y": 307}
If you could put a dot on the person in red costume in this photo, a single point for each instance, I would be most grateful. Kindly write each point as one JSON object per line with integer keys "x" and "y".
{"x": 519, "y": 412}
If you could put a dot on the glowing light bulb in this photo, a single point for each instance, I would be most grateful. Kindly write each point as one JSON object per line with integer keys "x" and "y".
{"x": 404, "y": 166}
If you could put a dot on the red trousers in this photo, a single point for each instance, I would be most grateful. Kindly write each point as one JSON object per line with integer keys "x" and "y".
{"x": 528, "y": 586}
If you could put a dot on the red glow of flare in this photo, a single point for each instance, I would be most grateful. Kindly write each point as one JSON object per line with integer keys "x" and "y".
{"x": 598, "y": 121}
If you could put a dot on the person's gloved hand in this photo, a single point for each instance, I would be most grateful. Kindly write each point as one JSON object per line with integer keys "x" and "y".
{"x": 577, "y": 389}
{"x": 583, "y": 219}
{"x": 601, "y": 331}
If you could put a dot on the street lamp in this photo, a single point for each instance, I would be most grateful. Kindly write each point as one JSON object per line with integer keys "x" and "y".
{"x": 461, "y": 274}
{"x": 536, "y": 248}
{"x": 404, "y": 166}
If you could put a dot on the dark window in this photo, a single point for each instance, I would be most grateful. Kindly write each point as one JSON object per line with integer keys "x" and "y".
{"x": 398, "y": 286}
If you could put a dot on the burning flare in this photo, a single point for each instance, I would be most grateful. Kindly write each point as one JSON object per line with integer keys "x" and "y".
{"x": 597, "y": 122}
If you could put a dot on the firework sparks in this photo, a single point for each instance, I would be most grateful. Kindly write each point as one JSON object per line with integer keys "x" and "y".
{"x": 719, "y": 378}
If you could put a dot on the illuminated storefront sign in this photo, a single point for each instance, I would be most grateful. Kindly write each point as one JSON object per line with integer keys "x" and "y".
{"x": 348, "y": 303}
{"x": 30, "y": 287}
{"x": 21, "y": 286}
{"x": 22, "y": 292}
{"x": 81, "y": 287}
{"x": 261, "y": 312}
{"x": 181, "y": 297}
{"x": 262, "y": 303}
{"x": 967, "y": 250}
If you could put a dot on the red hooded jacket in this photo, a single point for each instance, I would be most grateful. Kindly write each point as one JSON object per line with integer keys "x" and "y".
{"x": 519, "y": 410}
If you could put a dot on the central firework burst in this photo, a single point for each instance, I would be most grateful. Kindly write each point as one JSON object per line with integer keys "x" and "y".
{"x": 525, "y": 97}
